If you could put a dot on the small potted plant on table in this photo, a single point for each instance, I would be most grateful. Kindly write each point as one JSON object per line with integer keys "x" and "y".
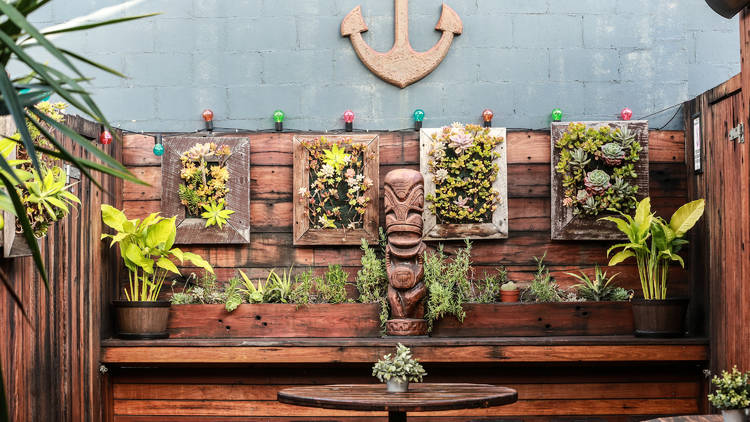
{"x": 654, "y": 243}
{"x": 731, "y": 395}
{"x": 397, "y": 371}
{"x": 146, "y": 249}
{"x": 509, "y": 292}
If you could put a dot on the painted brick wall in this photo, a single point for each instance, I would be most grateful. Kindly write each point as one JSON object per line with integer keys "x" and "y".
{"x": 245, "y": 58}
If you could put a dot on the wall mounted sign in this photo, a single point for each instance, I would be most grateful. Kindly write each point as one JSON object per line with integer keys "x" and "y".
{"x": 402, "y": 66}
{"x": 697, "y": 141}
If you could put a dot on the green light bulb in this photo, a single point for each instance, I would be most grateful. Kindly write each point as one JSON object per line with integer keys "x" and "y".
{"x": 278, "y": 116}
{"x": 557, "y": 115}
{"x": 418, "y": 115}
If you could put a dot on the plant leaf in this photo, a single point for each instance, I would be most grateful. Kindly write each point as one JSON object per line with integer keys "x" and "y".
{"x": 620, "y": 257}
{"x": 686, "y": 216}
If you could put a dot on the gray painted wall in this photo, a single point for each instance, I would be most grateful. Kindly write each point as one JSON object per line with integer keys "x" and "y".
{"x": 245, "y": 58}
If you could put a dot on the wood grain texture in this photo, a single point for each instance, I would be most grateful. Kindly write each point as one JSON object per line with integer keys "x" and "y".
{"x": 303, "y": 234}
{"x": 566, "y": 226}
{"x": 51, "y": 361}
{"x": 420, "y": 397}
{"x": 495, "y": 229}
{"x": 193, "y": 230}
{"x": 275, "y": 320}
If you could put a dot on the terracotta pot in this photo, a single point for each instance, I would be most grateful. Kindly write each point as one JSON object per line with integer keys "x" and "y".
{"x": 660, "y": 318}
{"x": 509, "y": 295}
{"x": 141, "y": 320}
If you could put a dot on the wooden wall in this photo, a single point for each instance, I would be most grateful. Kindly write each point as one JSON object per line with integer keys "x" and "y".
{"x": 51, "y": 361}
{"x": 529, "y": 207}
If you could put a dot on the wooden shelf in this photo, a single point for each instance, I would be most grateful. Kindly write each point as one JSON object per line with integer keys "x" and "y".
{"x": 470, "y": 350}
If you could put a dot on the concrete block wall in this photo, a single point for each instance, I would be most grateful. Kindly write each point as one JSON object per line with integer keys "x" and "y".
{"x": 522, "y": 58}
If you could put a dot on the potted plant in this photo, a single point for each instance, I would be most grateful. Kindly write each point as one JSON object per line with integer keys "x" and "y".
{"x": 654, "y": 243}
{"x": 731, "y": 394}
{"x": 397, "y": 371}
{"x": 509, "y": 292}
{"x": 600, "y": 288}
{"x": 146, "y": 249}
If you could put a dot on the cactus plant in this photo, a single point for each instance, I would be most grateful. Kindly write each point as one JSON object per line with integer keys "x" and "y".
{"x": 597, "y": 182}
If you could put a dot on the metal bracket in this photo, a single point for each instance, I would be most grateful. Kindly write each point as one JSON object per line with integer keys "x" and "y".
{"x": 737, "y": 134}
{"x": 71, "y": 173}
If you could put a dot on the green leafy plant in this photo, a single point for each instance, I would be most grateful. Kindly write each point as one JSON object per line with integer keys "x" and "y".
{"x": 253, "y": 293}
{"x": 279, "y": 287}
{"x": 372, "y": 281}
{"x": 654, "y": 243}
{"x": 146, "y": 249}
{"x": 205, "y": 173}
{"x": 509, "y": 287}
{"x": 401, "y": 367}
{"x": 204, "y": 290}
{"x": 543, "y": 287}
{"x": 488, "y": 289}
{"x": 332, "y": 289}
{"x": 599, "y": 289}
{"x": 336, "y": 192}
{"x": 305, "y": 282}
{"x": 448, "y": 284}
{"x": 731, "y": 390}
{"x": 598, "y": 169}
{"x": 215, "y": 214}
{"x": 463, "y": 167}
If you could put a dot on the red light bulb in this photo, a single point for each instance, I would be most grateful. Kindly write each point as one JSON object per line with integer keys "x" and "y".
{"x": 349, "y": 120}
{"x": 105, "y": 138}
{"x": 626, "y": 114}
{"x": 487, "y": 115}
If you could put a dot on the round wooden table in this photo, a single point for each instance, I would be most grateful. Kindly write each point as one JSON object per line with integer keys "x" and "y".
{"x": 419, "y": 398}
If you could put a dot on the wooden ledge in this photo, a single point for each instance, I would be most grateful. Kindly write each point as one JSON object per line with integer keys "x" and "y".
{"x": 469, "y": 350}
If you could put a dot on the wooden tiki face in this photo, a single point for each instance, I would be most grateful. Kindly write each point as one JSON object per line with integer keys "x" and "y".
{"x": 404, "y": 201}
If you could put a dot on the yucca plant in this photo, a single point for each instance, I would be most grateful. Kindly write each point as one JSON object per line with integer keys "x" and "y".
{"x": 19, "y": 94}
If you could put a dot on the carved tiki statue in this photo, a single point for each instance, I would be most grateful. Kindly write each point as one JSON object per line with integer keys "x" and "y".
{"x": 404, "y": 254}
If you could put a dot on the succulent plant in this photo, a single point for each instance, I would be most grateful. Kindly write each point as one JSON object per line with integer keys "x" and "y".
{"x": 613, "y": 153}
{"x": 597, "y": 182}
{"x": 582, "y": 196}
{"x": 579, "y": 157}
{"x": 624, "y": 136}
{"x": 620, "y": 186}
{"x": 590, "y": 207}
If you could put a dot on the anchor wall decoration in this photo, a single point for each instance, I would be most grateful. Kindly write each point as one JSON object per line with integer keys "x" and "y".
{"x": 402, "y": 66}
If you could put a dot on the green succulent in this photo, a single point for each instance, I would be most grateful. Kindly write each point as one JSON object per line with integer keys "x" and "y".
{"x": 613, "y": 153}
{"x": 624, "y": 136}
{"x": 589, "y": 207}
{"x": 600, "y": 288}
{"x": 579, "y": 158}
{"x": 597, "y": 182}
{"x": 216, "y": 214}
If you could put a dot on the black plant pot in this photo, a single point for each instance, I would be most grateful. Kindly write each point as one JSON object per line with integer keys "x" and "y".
{"x": 141, "y": 320}
{"x": 660, "y": 318}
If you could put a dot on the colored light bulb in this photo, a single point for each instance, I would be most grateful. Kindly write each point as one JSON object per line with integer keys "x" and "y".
{"x": 487, "y": 116}
{"x": 418, "y": 119}
{"x": 626, "y": 114}
{"x": 557, "y": 115}
{"x": 278, "y": 118}
{"x": 158, "y": 146}
{"x": 349, "y": 116}
{"x": 208, "y": 117}
{"x": 105, "y": 138}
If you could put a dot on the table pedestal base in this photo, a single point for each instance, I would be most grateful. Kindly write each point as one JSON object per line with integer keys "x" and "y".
{"x": 396, "y": 416}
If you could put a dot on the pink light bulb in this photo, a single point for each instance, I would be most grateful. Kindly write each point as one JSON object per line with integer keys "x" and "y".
{"x": 348, "y": 116}
{"x": 626, "y": 114}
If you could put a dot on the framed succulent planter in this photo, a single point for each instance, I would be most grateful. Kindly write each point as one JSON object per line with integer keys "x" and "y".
{"x": 465, "y": 173}
{"x": 206, "y": 184}
{"x": 336, "y": 181}
{"x": 598, "y": 169}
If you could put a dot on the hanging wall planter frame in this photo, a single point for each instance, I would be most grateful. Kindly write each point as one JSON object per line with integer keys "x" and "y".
{"x": 496, "y": 227}
{"x": 193, "y": 230}
{"x": 567, "y": 226}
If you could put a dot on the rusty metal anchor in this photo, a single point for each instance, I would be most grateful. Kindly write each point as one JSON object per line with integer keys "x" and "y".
{"x": 402, "y": 66}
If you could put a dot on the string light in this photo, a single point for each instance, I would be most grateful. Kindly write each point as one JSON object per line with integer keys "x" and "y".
{"x": 208, "y": 117}
{"x": 158, "y": 145}
{"x": 278, "y": 118}
{"x": 557, "y": 115}
{"x": 349, "y": 120}
{"x": 626, "y": 114}
{"x": 487, "y": 116}
{"x": 105, "y": 138}
{"x": 418, "y": 119}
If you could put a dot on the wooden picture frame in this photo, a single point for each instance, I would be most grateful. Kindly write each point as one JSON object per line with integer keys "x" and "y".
{"x": 192, "y": 230}
{"x": 566, "y": 226}
{"x": 497, "y": 228}
{"x": 303, "y": 234}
